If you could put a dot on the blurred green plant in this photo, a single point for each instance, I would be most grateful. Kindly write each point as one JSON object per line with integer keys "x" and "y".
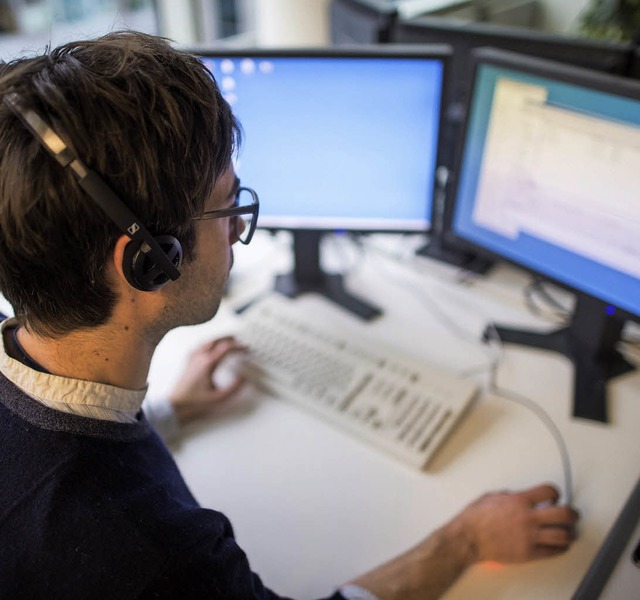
{"x": 611, "y": 20}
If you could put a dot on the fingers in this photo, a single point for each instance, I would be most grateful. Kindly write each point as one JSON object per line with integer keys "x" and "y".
{"x": 541, "y": 495}
{"x": 556, "y": 528}
{"x": 556, "y": 524}
{"x": 196, "y": 394}
{"x": 555, "y": 531}
{"x": 546, "y": 552}
{"x": 218, "y": 349}
{"x": 210, "y": 355}
{"x": 543, "y": 499}
{"x": 556, "y": 516}
{"x": 555, "y": 537}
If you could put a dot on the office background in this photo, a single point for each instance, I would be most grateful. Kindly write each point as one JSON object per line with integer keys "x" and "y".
{"x": 30, "y": 24}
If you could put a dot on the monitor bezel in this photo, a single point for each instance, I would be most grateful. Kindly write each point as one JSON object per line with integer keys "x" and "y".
{"x": 543, "y": 68}
{"x": 634, "y": 68}
{"x": 476, "y": 34}
{"x": 380, "y": 15}
{"x": 440, "y": 52}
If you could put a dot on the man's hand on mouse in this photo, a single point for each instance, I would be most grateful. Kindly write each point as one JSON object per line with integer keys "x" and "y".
{"x": 196, "y": 393}
{"x": 516, "y": 527}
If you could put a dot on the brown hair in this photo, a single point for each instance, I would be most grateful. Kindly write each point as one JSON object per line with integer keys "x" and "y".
{"x": 149, "y": 119}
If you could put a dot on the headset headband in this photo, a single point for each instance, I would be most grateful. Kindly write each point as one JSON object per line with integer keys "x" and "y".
{"x": 93, "y": 185}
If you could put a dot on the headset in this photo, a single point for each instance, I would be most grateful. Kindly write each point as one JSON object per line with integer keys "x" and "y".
{"x": 149, "y": 262}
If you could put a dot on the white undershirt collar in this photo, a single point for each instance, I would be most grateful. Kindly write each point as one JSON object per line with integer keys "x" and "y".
{"x": 75, "y": 396}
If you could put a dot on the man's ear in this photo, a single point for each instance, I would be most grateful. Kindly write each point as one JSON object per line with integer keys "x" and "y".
{"x": 117, "y": 259}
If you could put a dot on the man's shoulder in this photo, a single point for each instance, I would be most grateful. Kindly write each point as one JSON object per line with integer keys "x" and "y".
{"x": 79, "y": 529}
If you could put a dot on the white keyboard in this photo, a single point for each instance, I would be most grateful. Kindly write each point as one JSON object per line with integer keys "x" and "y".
{"x": 391, "y": 400}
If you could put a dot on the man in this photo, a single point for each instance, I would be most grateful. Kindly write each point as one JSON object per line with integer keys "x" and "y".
{"x": 115, "y": 162}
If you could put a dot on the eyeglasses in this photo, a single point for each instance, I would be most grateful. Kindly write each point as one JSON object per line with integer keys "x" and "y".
{"x": 245, "y": 212}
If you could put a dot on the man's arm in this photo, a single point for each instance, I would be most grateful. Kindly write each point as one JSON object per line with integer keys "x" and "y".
{"x": 504, "y": 527}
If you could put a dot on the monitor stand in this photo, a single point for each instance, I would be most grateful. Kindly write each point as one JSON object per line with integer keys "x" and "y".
{"x": 308, "y": 276}
{"x": 437, "y": 248}
{"x": 590, "y": 343}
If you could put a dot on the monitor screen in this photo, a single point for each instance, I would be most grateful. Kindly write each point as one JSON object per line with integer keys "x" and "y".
{"x": 337, "y": 140}
{"x": 548, "y": 178}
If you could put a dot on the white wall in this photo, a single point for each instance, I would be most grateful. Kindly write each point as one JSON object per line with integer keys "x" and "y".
{"x": 272, "y": 22}
{"x": 177, "y": 21}
{"x": 292, "y": 22}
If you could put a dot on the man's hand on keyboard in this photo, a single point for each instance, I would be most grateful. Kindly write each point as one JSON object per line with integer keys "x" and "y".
{"x": 196, "y": 394}
{"x": 504, "y": 527}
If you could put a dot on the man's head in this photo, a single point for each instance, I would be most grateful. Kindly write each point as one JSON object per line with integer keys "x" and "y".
{"x": 150, "y": 120}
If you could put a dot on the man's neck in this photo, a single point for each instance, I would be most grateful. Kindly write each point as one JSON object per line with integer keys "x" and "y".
{"x": 118, "y": 356}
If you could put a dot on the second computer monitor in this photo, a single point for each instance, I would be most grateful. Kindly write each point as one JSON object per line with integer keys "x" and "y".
{"x": 548, "y": 178}
{"x": 361, "y": 21}
{"x": 599, "y": 55}
{"x": 634, "y": 70}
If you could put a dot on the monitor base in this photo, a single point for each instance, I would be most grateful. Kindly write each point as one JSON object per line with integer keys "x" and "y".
{"x": 331, "y": 287}
{"x": 469, "y": 262}
{"x": 307, "y": 276}
{"x": 593, "y": 365}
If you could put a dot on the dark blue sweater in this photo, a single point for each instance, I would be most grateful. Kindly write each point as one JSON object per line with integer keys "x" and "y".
{"x": 95, "y": 509}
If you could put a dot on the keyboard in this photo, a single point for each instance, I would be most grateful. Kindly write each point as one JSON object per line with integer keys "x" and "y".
{"x": 368, "y": 389}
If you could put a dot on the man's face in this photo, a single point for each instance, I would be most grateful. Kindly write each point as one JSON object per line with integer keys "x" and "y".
{"x": 198, "y": 292}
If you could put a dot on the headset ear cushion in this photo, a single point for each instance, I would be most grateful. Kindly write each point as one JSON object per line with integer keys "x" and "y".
{"x": 141, "y": 270}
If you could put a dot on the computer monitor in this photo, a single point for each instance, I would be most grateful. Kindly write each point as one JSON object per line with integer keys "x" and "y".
{"x": 361, "y": 21}
{"x": 336, "y": 140}
{"x": 634, "y": 70}
{"x": 548, "y": 178}
{"x": 464, "y": 36}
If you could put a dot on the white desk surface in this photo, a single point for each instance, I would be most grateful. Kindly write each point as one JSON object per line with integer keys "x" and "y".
{"x": 313, "y": 507}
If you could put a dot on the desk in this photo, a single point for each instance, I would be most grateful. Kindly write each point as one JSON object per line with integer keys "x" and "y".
{"x": 313, "y": 507}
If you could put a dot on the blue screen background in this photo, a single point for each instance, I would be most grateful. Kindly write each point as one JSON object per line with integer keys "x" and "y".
{"x": 339, "y": 138}
{"x": 603, "y": 282}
